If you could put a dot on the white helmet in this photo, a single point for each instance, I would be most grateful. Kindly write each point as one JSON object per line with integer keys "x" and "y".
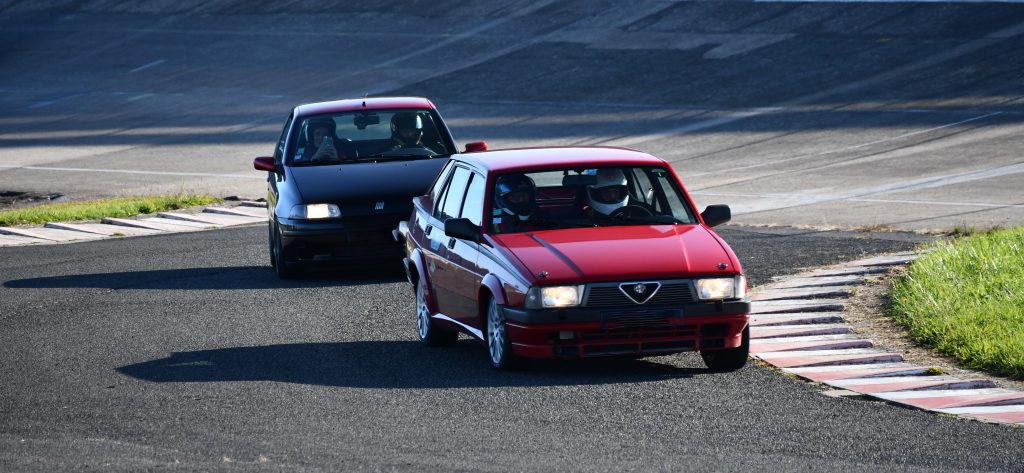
{"x": 609, "y": 192}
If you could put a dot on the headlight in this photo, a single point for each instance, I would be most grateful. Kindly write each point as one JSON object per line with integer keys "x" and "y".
{"x": 314, "y": 211}
{"x": 722, "y": 288}
{"x": 554, "y": 297}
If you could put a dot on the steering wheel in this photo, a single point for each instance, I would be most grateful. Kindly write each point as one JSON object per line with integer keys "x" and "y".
{"x": 635, "y": 209}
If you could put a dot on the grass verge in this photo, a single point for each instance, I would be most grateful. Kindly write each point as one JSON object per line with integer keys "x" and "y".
{"x": 102, "y": 208}
{"x": 965, "y": 299}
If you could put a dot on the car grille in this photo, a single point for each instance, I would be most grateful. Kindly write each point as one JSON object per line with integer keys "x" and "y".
{"x": 671, "y": 293}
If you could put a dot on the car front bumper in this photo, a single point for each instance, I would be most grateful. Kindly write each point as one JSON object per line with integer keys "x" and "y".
{"x": 626, "y": 331}
{"x": 307, "y": 242}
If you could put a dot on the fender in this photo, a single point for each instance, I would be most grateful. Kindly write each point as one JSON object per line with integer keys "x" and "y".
{"x": 492, "y": 283}
{"x": 415, "y": 263}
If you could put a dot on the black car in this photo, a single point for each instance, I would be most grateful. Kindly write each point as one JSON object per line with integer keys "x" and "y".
{"x": 344, "y": 174}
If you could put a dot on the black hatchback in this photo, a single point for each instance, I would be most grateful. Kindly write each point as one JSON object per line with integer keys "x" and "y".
{"x": 344, "y": 174}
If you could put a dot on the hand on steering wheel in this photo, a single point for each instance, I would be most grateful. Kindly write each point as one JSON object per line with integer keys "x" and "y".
{"x": 631, "y": 210}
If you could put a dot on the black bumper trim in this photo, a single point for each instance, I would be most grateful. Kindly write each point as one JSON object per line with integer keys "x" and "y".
{"x": 583, "y": 314}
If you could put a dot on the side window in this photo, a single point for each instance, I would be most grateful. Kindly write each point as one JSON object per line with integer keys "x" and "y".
{"x": 279, "y": 151}
{"x": 642, "y": 188}
{"x": 474, "y": 206}
{"x": 451, "y": 204}
{"x": 442, "y": 179}
{"x": 678, "y": 208}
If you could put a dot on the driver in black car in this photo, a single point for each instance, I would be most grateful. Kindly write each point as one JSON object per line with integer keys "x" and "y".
{"x": 407, "y": 132}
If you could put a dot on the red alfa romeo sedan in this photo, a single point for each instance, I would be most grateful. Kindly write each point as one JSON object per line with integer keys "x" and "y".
{"x": 571, "y": 253}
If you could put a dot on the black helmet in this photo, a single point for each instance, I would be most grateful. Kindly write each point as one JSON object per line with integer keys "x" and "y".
{"x": 314, "y": 123}
{"x": 515, "y": 194}
{"x": 407, "y": 121}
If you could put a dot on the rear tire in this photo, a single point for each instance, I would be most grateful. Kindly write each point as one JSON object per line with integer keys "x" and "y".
{"x": 730, "y": 359}
{"x": 430, "y": 334}
{"x": 499, "y": 348}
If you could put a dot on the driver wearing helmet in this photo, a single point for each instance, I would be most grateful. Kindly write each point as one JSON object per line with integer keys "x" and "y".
{"x": 607, "y": 195}
{"x": 407, "y": 130}
{"x": 515, "y": 201}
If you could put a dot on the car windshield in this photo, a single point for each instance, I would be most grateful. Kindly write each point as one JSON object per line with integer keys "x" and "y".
{"x": 369, "y": 135}
{"x": 605, "y": 196}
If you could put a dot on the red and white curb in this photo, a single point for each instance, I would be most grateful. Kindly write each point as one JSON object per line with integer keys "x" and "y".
{"x": 249, "y": 212}
{"x": 797, "y": 325}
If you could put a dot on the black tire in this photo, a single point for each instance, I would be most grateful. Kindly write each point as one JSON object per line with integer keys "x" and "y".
{"x": 278, "y": 257}
{"x": 270, "y": 244}
{"x": 730, "y": 359}
{"x": 499, "y": 348}
{"x": 426, "y": 327}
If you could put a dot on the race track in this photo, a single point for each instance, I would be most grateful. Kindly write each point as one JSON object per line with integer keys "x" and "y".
{"x": 183, "y": 351}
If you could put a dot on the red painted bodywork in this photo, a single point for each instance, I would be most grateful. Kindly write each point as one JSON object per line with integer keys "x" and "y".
{"x": 507, "y": 265}
{"x": 264, "y": 163}
{"x": 620, "y": 253}
{"x": 476, "y": 146}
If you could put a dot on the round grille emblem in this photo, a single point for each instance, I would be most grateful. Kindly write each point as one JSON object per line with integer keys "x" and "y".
{"x": 640, "y": 289}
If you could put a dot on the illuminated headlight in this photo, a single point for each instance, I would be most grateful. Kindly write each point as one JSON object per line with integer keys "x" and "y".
{"x": 722, "y": 288}
{"x": 315, "y": 211}
{"x": 554, "y": 297}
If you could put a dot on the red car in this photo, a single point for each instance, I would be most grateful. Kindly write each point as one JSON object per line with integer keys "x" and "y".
{"x": 571, "y": 253}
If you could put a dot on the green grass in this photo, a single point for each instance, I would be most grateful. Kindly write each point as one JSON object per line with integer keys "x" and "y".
{"x": 965, "y": 299}
{"x": 98, "y": 209}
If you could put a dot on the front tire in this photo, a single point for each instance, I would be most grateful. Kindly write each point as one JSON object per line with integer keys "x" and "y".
{"x": 430, "y": 334}
{"x": 499, "y": 348}
{"x": 278, "y": 256}
{"x": 730, "y": 359}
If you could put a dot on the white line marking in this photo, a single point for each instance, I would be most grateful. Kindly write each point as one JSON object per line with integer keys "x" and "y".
{"x": 130, "y": 171}
{"x": 147, "y": 66}
{"x": 878, "y": 201}
{"x": 944, "y": 393}
{"x": 982, "y": 410}
{"x": 889, "y": 1}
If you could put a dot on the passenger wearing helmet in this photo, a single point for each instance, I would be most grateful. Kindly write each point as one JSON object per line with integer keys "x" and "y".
{"x": 608, "y": 194}
{"x": 515, "y": 202}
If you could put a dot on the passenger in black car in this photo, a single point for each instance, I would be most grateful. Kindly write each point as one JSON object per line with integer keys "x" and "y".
{"x": 320, "y": 140}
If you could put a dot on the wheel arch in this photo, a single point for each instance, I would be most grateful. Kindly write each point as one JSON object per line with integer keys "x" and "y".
{"x": 490, "y": 287}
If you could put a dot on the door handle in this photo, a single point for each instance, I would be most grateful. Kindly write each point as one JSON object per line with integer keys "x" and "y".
{"x": 427, "y": 231}
{"x": 451, "y": 244}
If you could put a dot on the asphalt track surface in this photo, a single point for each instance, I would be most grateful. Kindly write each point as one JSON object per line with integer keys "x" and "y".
{"x": 182, "y": 351}
{"x": 185, "y": 352}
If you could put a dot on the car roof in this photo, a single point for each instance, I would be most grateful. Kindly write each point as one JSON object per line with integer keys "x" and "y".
{"x": 368, "y": 103}
{"x": 521, "y": 159}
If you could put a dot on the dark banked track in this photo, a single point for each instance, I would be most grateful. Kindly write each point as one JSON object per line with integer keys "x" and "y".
{"x": 184, "y": 352}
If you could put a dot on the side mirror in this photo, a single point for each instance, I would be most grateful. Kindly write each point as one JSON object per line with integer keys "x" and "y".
{"x": 476, "y": 146}
{"x": 264, "y": 163}
{"x": 716, "y": 215}
{"x": 462, "y": 229}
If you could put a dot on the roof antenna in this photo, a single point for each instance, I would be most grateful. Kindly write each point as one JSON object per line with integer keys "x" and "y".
{"x": 367, "y": 94}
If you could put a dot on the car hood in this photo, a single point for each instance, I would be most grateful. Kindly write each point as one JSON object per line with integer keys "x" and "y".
{"x": 357, "y": 187}
{"x": 619, "y": 253}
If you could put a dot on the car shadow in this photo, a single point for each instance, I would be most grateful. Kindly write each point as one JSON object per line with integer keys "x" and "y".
{"x": 227, "y": 278}
{"x": 389, "y": 364}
